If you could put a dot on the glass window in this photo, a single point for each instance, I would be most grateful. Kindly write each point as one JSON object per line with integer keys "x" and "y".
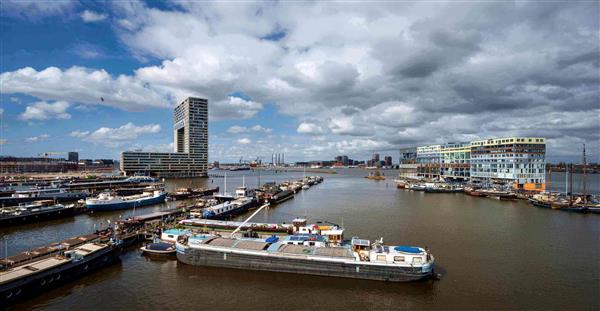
{"x": 381, "y": 258}
{"x": 398, "y": 258}
{"x": 417, "y": 260}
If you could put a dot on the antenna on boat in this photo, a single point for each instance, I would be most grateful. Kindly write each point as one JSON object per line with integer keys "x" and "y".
{"x": 243, "y": 180}
{"x": 225, "y": 181}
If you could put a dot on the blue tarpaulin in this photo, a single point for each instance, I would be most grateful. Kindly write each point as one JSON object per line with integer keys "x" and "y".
{"x": 272, "y": 239}
{"x": 407, "y": 249}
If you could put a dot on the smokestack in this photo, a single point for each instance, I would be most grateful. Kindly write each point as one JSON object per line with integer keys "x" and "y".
{"x": 283, "y": 158}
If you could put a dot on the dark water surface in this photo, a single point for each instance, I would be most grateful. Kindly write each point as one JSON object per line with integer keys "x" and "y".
{"x": 492, "y": 254}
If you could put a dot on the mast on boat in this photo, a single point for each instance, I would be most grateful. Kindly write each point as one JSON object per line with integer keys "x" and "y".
{"x": 566, "y": 179}
{"x": 584, "y": 177}
{"x": 571, "y": 184}
{"x": 549, "y": 184}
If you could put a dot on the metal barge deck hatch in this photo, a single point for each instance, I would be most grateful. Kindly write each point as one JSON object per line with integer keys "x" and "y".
{"x": 238, "y": 244}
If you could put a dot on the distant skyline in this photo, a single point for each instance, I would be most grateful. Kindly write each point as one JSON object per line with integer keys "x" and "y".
{"x": 311, "y": 80}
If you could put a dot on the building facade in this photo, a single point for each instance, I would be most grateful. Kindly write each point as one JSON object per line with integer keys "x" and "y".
{"x": 73, "y": 156}
{"x": 455, "y": 160}
{"x": 388, "y": 161}
{"x": 429, "y": 161}
{"x": 190, "y": 156}
{"x": 407, "y": 167}
{"x": 517, "y": 160}
{"x": 17, "y": 165}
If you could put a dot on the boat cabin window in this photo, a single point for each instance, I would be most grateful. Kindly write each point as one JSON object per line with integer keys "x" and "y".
{"x": 311, "y": 243}
{"x": 170, "y": 235}
{"x": 399, "y": 258}
{"x": 417, "y": 260}
{"x": 290, "y": 243}
{"x": 381, "y": 258}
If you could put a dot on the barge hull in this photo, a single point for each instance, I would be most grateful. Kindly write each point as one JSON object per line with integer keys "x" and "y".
{"x": 36, "y": 216}
{"x": 126, "y": 205}
{"x": 46, "y": 280}
{"x": 14, "y": 201}
{"x": 299, "y": 266}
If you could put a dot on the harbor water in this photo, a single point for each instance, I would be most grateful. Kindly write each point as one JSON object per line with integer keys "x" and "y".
{"x": 491, "y": 254}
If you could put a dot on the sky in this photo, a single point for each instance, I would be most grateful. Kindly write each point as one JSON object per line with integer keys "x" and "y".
{"x": 308, "y": 79}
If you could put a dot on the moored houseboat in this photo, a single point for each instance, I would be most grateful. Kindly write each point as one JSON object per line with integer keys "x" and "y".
{"x": 34, "y": 212}
{"x": 108, "y": 202}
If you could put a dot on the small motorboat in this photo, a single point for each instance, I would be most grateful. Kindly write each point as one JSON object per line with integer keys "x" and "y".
{"x": 158, "y": 248}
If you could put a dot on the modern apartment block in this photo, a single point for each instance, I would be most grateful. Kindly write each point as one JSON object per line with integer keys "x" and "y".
{"x": 190, "y": 157}
{"x": 517, "y": 160}
{"x": 429, "y": 161}
{"x": 455, "y": 160}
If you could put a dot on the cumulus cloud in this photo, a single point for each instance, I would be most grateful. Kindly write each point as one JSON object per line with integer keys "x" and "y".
{"x": 91, "y": 17}
{"x": 88, "y": 51}
{"x": 244, "y": 141}
{"x": 260, "y": 128}
{"x": 45, "y": 111}
{"x": 36, "y": 139}
{"x": 309, "y": 128}
{"x": 236, "y": 129}
{"x": 114, "y": 137}
{"x": 234, "y": 108}
{"x": 83, "y": 85}
{"x": 34, "y": 10}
